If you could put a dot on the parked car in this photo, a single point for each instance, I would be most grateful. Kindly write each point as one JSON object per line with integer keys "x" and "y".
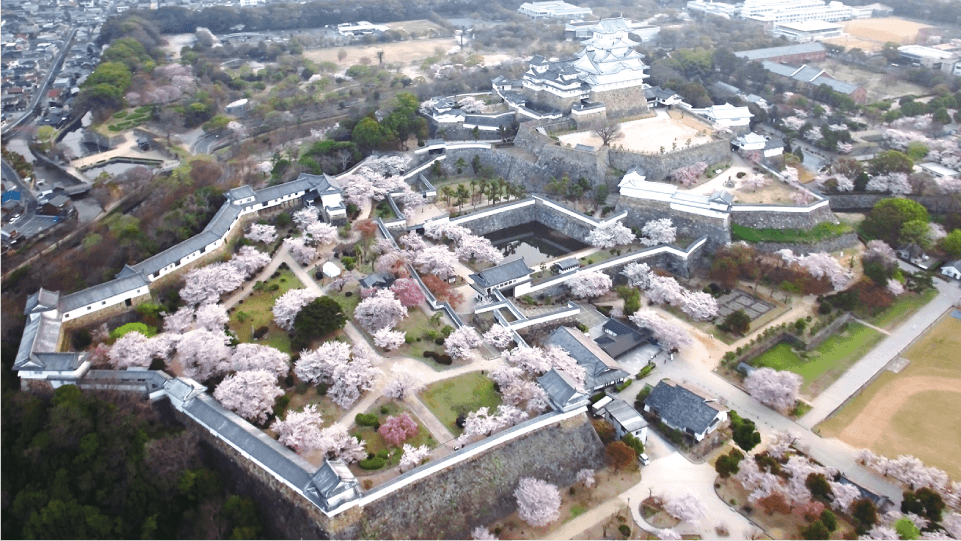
{"x": 644, "y": 459}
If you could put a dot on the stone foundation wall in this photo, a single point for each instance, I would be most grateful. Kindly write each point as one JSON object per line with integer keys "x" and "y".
{"x": 537, "y": 212}
{"x": 692, "y": 226}
{"x": 865, "y": 201}
{"x": 622, "y": 102}
{"x": 779, "y": 219}
{"x": 449, "y": 504}
{"x": 659, "y": 166}
{"x": 847, "y": 240}
{"x": 547, "y": 100}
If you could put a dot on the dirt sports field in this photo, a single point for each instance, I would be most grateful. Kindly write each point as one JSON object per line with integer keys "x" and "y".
{"x": 871, "y": 34}
{"x": 398, "y": 51}
{"x": 649, "y": 134}
{"x": 915, "y": 412}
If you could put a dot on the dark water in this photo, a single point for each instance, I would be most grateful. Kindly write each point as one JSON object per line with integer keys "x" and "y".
{"x": 535, "y": 242}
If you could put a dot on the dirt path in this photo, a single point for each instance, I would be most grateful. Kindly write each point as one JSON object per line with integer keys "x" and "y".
{"x": 590, "y": 518}
{"x": 873, "y": 420}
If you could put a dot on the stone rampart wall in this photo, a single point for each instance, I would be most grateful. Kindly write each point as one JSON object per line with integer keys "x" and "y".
{"x": 563, "y": 222}
{"x": 527, "y": 211}
{"x": 847, "y": 240}
{"x": 640, "y": 211}
{"x": 622, "y": 102}
{"x": 659, "y": 166}
{"x": 778, "y": 217}
{"x": 865, "y": 201}
{"x": 449, "y": 504}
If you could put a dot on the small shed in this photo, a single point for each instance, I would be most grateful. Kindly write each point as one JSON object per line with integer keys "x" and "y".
{"x": 952, "y": 269}
{"x": 566, "y": 266}
{"x": 330, "y": 270}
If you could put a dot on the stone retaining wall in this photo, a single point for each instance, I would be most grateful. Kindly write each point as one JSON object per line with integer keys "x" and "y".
{"x": 842, "y": 242}
{"x": 781, "y": 217}
{"x": 659, "y": 166}
{"x": 865, "y": 201}
{"x": 640, "y": 211}
{"x": 449, "y": 504}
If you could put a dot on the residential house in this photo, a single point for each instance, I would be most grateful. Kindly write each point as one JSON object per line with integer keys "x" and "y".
{"x": 728, "y": 116}
{"x": 623, "y": 417}
{"x": 600, "y": 370}
{"x": 504, "y": 276}
{"x": 618, "y": 339}
{"x": 952, "y": 269}
{"x": 682, "y": 409}
{"x": 58, "y": 205}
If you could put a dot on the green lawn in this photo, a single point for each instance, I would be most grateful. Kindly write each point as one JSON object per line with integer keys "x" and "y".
{"x": 418, "y": 326}
{"x": 822, "y": 231}
{"x": 902, "y": 308}
{"x": 255, "y": 310}
{"x": 826, "y": 363}
{"x": 459, "y": 395}
{"x": 374, "y": 442}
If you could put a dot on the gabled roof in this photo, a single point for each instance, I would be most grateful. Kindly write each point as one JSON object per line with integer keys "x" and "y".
{"x": 241, "y": 192}
{"x": 331, "y": 479}
{"x": 956, "y": 264}
{"x": 569, "y": 263}
{"x": 41, "y": 301}
{"x": 560, "y": 389}
{"x": 625, "y": 415}
{"x": 625, "y": 338}
{"x": 102, "y": 292}
{"x": 773, "y": 52}
{"x": 511, "y": 270}
{"x": 378, "y": 279}
{"x": 599, "y": 369}
{"x": 682, "y": 408}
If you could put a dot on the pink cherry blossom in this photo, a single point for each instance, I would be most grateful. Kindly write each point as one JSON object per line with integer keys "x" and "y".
{"x": 778, "y": 389}
{"x": 250, "y": 394}
{"x": 610, "y": 235}
{"x": 589, "y": 284}
{"x": 262, "y": 233}
{"x": 658, "y": 232}
{"x": 380, "y": 310}
{"x": 460, "y": 342}
{"x": 538, "y": 502}
{"x": 288, "y": 305}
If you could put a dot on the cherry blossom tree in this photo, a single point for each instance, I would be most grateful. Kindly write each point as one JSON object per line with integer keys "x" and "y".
{"x": 482, "y": 423}
{"x": 396, "y": 430}
{"x": 134, "y": 349}
{"x": 895, "y": 287}
{"x": 436, "y": 260}
{"x": 793, "y": 123}
{"x": 391, "y": 261}
{"x": 349, "y": 372}
{"x": 610, "y": 235}
{"x": 585, "y": 477}
{"x": 895, "y": 183}
{"x": 180, "y": 321}
{"x": 538, "y": 502}
{"x": 755, "y": 182}
{"x": 413, "y": 456}
{"x": 638, "y": 274}
{"x": 288, "y": 305}
{"x": 408, "y": 292}
{"x": 212, "y": 317}
{"x": 390, "y": 165}
{"x": 699, "y": 305}
{"x": 237, "y": 128}
{"x": 688, "y": 175}
{"x": 262, "y": 233}
{"x": 778, "y": 389}
{"x": 878, "y": 249}
{"x": 668, "y": 534}
{"x": 687, "y": 507}
{"x": 470, "y": 104}
{"x": 300, "y": 430}
{"x": 379, "y": 311}
{"x": 460, "y": 342}
{"x": 843, "y": 495}
{"x": 320, "y": 233}
{"x": 759, "y": 483}
{"x": 499, "y": 336}
{"x": 402, "y": 384}
{"x": 668, "y": 334}
{"x": 306, "y": 216}
{"x": 248, "y": 260}
{"x": 658, "y": 232}
{"x": 802, "y": 197}
{"x": 478, "y": 249}
{"x": 782, "y": 444}
{"x": 410, "y": 201}
{"x": 821, "y": 264}
{"x": 414, "y": 242}
{"x": 952, "y": 523}
{"x": 790, "y": 175}
{"x": 203, "y": 353}
{"x": 845, "y": 148}
{"x": 814, "y": 135}
{"x": 260, "y": 357}
{"x": 536, "y": 361}
{"x": 665, "y": 290}
{"x": 388, "y": 339}
{"x": 879, "y": 531}
{"x": 589, "y": 284}
{"x": 205, "y": 285}
{"x": 481, "y": 533}
{"x": 250, "y": 394}
{"x": 300, "y": 250}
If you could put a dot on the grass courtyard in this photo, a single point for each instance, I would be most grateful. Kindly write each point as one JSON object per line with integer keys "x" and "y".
{"x": 903, "y": 307}
{"x": 254, "y": 311}
{"x": 827, "y": 362}
{"x": 910, "y": 412}
{"x": 375, "y": 443}
{"x": 459, "y": 395}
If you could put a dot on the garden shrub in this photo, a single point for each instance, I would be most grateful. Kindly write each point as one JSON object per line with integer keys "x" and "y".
{"x": 142, "y": 328}
{"x": 367, "y": 419}
{"x": 375, "y": 463}
{"x": 280, "y": 406}
{"x": 444, "y": 359}
{"x": 261, "y": 332}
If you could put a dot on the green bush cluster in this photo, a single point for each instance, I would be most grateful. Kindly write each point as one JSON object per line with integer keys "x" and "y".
{"x": 367, "y": 419}
{"x": 374, "y": 463}
{"x": 142, "y": 328}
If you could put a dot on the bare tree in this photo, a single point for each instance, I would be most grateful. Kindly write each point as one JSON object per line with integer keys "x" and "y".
{"x": 608, "y": 131}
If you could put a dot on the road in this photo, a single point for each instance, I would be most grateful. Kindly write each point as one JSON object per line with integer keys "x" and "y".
{"x": 208, "y": 142}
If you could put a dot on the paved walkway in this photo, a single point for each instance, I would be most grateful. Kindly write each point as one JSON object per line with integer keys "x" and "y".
{"x": 864, "y": 370}
{"x": 866, "y": 324}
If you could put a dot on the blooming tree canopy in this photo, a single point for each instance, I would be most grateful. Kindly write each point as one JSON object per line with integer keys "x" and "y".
{"x": 288, "y": 305}
{"x": 460, "y": 342}
{"x": 821, "y": 264}
{"x": 585, "y": 477}
{"x": 778, "y": 389}
{"x": 499, "y": 336}
{"x": 262, "y": 233}
{"x": 538, "y": 502}
{"x": 687, "y": 507}
{"x": 134, "y": 349}
{"x": 205, "y": 285}
{"x": 688, "y": 175}
{"x": 755, "y": 182}
{"x": 300, "y": 250}
{"x": 589, "y": 284}
{"x": 895, "y": 287}
{"x": 320, "y": 233}
{"x": 638, "y": 274}
{"x": 259, "y": 357}
{"x": 436, "y": 260}
{"x": 610, "y": 235}
{"x": 204, "y": 354}
{"x": 413, "y": 456}
{"x": 250, "y": 394}
{"x": 671, "y": 336}
{"x": 380, "y": 310}
{"x": 388, "y": 339}
{"x": 349, "y": 372}
{"x": 658, "y": 232}
{"x": 699, "y": 305}
{"x": 536, "y": 361}
{"x": 402, "y": 384}
{"x": 396, "y": 430}
{"x": 481, "y": 533}
{"x": 408, "y": 291}
{"x": 248, "y": 260}
{"x": 482, "y": 423}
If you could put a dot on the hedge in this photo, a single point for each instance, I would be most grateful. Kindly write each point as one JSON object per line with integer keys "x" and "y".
{"x": 374, "y": 463}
